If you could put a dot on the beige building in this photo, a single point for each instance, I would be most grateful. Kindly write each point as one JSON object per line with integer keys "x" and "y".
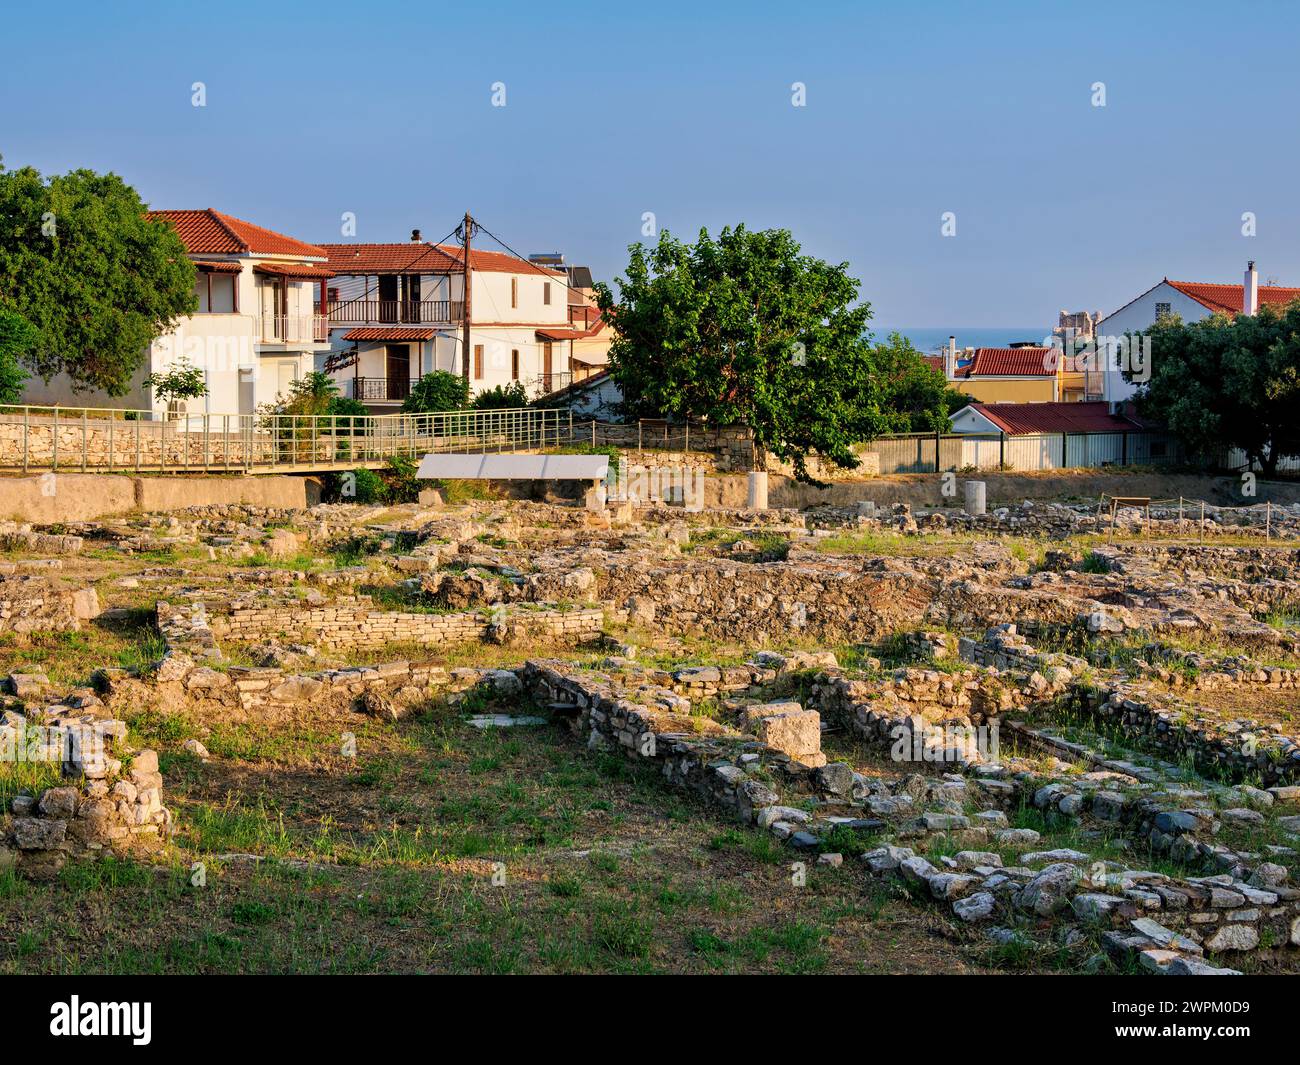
{"x": 396, "y": 313}
{"x": 255, "y": 332}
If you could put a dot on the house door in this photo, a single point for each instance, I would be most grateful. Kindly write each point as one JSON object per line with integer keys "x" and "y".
{"x": 411, "y": 298}
{"x": 272, "y": 315}
{"x": 387, "y": 298}
{"x": 546, "y": 365}
{"x": 397, "y": 368}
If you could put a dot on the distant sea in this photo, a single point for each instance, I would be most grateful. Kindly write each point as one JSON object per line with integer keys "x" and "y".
{"x": 929, "y": 340}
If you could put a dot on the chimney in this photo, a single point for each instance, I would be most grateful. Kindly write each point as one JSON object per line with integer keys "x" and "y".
{"x": 1250, "y": 291}
{"x": 950, "y": 359}
{"x": 415, "y": 236}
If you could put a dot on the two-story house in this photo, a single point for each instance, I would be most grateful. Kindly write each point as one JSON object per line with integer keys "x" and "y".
{"x": 1191, "y": 301}
{"x": 396, "y": 312}
{"x": 255, "y": 331}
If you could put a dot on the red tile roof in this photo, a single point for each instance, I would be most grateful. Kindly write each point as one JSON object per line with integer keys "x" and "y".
{"x": 375, "y": 332}
{"x": 210, "y": 232}
{"x": 935, "y": 362}
{"x": 219, "y": 266}
{"x": 1011, "y": 362}
{"x": 1019, "y": 419}
{"x": 1229, "y": 299}
{"x": 294, "y": 270}
{"x": 424, "y": 258}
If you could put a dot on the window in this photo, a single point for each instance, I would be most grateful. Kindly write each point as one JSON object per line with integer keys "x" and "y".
{"x": 215, "y": 292}
{"x": 1162, "y": 311}
{"x": 546, "y": 293}
{"x": 514, "y": 364}
{"x": 478, "y": 362}
{"x": 514, "y": 292}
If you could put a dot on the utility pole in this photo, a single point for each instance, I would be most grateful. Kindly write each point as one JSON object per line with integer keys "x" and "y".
{"x": 468, "y": 228}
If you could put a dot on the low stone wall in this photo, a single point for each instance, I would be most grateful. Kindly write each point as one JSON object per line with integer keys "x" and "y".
{"x": 58, "y": 498}
{"x": 31, "y": 603}
{"x": 105, "y": 808}
{"x": 1214, "y": 745}
{"x": 356, "y": 624}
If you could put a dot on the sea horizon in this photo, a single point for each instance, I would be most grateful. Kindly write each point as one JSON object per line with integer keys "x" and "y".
{"x": 931, "y": 339}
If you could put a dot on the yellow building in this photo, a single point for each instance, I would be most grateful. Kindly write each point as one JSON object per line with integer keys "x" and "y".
{"x": 1017, "y": 375}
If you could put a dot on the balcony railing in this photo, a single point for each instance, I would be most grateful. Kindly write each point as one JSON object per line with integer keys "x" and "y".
{"x": 293, "y": 328}
{"x": 381, "y": 389}
{"x": 394, "y": 312}
{"x": 545, "y": 384}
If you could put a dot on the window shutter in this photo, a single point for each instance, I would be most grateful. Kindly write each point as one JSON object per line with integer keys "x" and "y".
{"x": 478, "y": 361}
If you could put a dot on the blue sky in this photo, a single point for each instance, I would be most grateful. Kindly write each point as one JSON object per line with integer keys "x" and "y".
{"x": 913, "y": 109}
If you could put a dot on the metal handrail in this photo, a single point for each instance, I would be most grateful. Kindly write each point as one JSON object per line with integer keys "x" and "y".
{"x": 87, "y": 438}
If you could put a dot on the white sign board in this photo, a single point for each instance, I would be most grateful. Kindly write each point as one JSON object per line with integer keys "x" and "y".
{"x": 514, "y": 467}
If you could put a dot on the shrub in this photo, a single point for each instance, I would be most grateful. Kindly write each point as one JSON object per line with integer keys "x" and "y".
{"x": 437, "y": 391}
{"x": 502, "y": 397}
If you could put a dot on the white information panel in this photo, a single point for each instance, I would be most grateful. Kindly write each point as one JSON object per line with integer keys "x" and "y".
{"x": 514, "y": 467}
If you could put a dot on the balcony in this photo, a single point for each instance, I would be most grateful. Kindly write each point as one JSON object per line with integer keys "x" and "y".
{"x": 381, "y": 389}
{"x": 545, "y": 384}
{"x": 293, "y": 328}
{"x": 394, "y": 312}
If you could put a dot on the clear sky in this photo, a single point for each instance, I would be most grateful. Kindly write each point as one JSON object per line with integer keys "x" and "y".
{"x": 912, "y": 109}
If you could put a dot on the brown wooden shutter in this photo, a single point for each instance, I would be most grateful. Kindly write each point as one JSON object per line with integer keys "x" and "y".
{"x": 478, "y": 362}
{"x": 514, "y": 292}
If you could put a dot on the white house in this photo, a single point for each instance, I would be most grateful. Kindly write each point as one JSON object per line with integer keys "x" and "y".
{"x": 255, "y": 331}
{"x": 1191, "y": 301}
{"x": 396, "y": 313}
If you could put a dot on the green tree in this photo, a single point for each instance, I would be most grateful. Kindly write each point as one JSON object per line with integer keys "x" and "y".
{"x": 1227, "y": 383}
{"x": 437, "y": 391}
{"x": 915, "y": 397}
{"x": 98, "y": 279}
{"x": 746, "y": 330}
{"x": 181, "y": 380}
{"x": 17, "y": 334}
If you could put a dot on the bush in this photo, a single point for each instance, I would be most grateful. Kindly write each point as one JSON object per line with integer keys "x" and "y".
{"x": 355, "y": 486}
{"x": 437, "y": 391}
{"x": 399, "y": 480}
{"x": 503, "y": 397}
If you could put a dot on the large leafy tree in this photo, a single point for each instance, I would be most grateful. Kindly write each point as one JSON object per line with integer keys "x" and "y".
{"x": 1228, "y": 383}
{"x": 98, "y": 280}
{"x": 17, "y": 334}
{"x": 746, "y": 330}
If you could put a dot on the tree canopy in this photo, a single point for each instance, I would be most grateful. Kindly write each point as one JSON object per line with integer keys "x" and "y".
{"x": 1228, "y": 383}
{"x": 17, "y": 334}
{"x": 744, "y": 329}
{"x": 98, "y": 280}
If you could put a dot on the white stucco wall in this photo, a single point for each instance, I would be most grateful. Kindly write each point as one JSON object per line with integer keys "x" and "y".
{"x": 1139, "y": 316}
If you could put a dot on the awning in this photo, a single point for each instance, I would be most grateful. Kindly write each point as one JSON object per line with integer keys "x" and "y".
{"x": 217, "y": 267}
{"x": 591, "y": 358}
{"x": 318, "y": 273}
{"x": 389, "y": 333}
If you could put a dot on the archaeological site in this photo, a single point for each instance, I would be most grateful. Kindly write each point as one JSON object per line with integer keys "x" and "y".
{"x": 527, "y": 732}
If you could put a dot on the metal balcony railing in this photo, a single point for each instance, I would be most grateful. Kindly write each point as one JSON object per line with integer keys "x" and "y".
{"x": 394, "y": 312}
{"x": 293, "y": 328}
{"x": 381, "y": 389}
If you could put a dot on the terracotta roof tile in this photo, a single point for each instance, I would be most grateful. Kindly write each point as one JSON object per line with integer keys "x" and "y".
{"x": 424, "y": 258}
{"x": 1229, "y": 299}
{"x": 1012, "y": 362}
{"x": 389, "y": 333}
{"x": 210, "y": 232}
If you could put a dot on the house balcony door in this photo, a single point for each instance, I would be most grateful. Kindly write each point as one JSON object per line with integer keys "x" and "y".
{"x": 397, "y": 368}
